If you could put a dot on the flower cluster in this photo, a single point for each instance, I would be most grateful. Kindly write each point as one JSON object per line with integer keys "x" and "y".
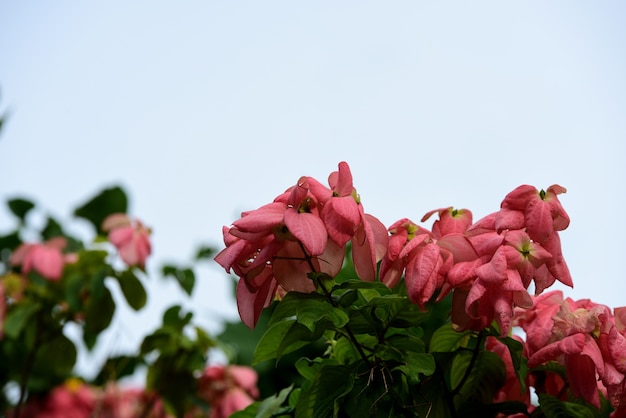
{"x": 490, "y": 264}
{"x": 491, "y": 275}
{"x": 584, "y": 337}
{"x": 304, "y": 230}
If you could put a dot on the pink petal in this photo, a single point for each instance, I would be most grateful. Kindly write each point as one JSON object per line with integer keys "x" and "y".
{"x": 341, "y": 216}
{"x": 343, "y": 186}
{"x": 519, "y": 197}
{"x": 583, "y": 380}
{"x": 250, "y": 305}
{"x": 459, "y": 246}
{"x": 421, "y": 273}
{"x": 115, "y": 220}
{"x": 48, "y": 262}
{"x": 309, "y": 229}
{"x": 262, "y": 219}
{"x": 539, "y": 220}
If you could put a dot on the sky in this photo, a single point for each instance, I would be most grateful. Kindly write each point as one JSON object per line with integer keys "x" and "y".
{"x": 203, "y": 109}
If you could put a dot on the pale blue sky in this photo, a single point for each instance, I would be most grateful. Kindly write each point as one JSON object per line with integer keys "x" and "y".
{"x": 204, "y": 109}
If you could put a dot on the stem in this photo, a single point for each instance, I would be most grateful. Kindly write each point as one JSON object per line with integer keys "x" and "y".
{"x": 346, "y": 327}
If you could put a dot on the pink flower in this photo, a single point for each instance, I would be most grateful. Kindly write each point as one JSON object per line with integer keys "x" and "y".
{"x": 46, "y": 259}
{"x": 543, "y": 213}
{"x": 345, "y": 220}
{"x": 304, "y": 230}
{"x": 130, "y": 237}
{"x": 73, "y": 399}
{"x": 117, "y": 402}
{"x": 228, "y": 389}
{"x": 275, "y": 245}
{"x": 577, "y": 339}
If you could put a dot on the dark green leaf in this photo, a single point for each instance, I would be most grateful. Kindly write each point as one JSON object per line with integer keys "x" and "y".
{"x": 265, "y": 409}
{"x": 520, "y": 362}
{"x": 269, "y": 343}
{"x": 554, "y": 408}
{"x": 185, "y": 277}
{"x": 310, "y": 312}
{"x": 132, "y": 289}
{"x": 329, "y": 386}
{"x": 9, "y": 242}
{"x": 20, "y": 207}
{"x": 446, "y": 339}
{"x": 107, "y": 202}
{"x": 52, "y": 229}
{"x": 98, "y": 315}
{"x": 116, "y": 368}
{"x": 288, "y": 306}
{"x": 204, "y": 253}
{"x": 18, "y": 317}
{"x": 173, "y": 317}
{"x": 485, "y": 378}
{"x": 56, "y": 357}
{"x": 416, "y": 364}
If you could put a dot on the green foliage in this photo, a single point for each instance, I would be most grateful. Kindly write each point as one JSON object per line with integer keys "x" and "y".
{"x": 133, "y": 289}
{"x": 185, "y": 277}
{"x": 20, "y": 207}
{"x": 179, "y": 357}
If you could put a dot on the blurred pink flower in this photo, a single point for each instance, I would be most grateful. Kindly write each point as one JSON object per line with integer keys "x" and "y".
{"x": 130, "y": 237}
{"x": 228, "y": 389}
{"x": 46, "y": 259}
{"x": 72, "y": 399}
{"x": 117, "y": 402}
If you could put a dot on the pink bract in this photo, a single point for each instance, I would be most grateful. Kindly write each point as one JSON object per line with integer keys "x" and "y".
{"x": 130, "y": 237}
{"x": 228, "y": 389}
{"x": 46, "y": 259}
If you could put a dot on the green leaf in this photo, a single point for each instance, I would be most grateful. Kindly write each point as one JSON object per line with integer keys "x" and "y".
{"x": 311, "y": 312}
{"x": 446, "y": 339}
{"x": 344, "y": 351}
{"x": 368, "y": 289}
{"x": 288, "y": 306}
{"x": 18, "y": 318}
{"x": 98, "y": 315}
{"x": 132, "y": 289}
{"x": 270, "y": 341}
{"x": 10, "y": 241}
{"x": 416, "y": 364}
{"x": 115, "y": 368}
{"x": 173, "y": 317}
{"x": 52, "y": 229}
{"x": 266, "y": 408}
{"x": 329, "y": 386}
{"x": 205, "y": 253}
{"x": 274, "y": 342}
{"x": 554, "y": 408}
{"x": 520, "y": 362}
{"x": 185, "y": 277}
{"x": 20, "y": 207}
{"x": 485, "y": 378}
{"x": 107, "y": 202}
{"x": 56, "y": 357}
